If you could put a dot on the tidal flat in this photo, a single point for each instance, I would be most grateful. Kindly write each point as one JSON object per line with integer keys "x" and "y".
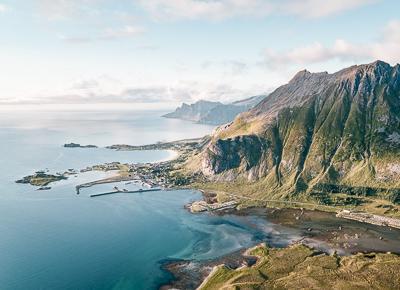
{"x": 319, "y": 232}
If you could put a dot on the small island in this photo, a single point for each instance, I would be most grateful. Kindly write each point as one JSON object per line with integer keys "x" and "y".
{"x": 40, "y": 178}
{"x": 77, "y": 145}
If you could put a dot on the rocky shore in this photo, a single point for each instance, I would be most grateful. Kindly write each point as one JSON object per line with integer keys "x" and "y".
{"x": 190, "y": 274}
{"x": 40, "y": 178}
{"x": 370, "y": 218}
{"x": 318, "y": 233}
{"x": 201, "y": 206}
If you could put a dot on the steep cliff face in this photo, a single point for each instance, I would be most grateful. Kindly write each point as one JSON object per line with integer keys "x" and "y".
{"x": 317, "y": 131}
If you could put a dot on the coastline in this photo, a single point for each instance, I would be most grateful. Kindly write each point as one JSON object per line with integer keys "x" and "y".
{"x": 117, "y": 171}
{"x": 214, "y": 270}
{"x": 172, "y": 155}
{"x": 167, "y": 165}
{"x": 301, "y": 267}
{"x": 320, "y": 231}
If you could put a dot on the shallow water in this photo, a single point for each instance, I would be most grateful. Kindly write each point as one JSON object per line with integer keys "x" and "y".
{"x": 56, "y": 239}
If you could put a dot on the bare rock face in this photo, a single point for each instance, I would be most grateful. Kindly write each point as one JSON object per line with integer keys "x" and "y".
{"x": 242, "y": 152}
{"x": 341, "y": 128}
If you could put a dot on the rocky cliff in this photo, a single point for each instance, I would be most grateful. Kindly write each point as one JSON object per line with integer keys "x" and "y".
{"x": 319, "y": 133}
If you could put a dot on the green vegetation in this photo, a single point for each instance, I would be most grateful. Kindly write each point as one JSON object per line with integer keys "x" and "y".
{"x": 299, "y": 267}
{"x": 260, "y": 193}
{"x": 324, "y": 139}
{"x": 41, "y": 179}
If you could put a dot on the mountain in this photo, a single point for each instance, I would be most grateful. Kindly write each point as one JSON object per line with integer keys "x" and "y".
{"x": 214, "y": 113}
{"x": 319, "y": 134}
{"x": 194, "y": 112}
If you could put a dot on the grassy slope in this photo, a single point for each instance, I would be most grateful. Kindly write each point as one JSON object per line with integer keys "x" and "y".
{"x": 334, "y": 146}
{"x": 298, "y": 267}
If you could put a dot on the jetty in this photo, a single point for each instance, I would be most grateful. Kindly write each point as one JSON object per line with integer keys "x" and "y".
{"x": 125, "y": 191}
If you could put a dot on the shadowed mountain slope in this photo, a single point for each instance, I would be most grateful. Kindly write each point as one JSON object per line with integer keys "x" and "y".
{"x": 319, "y": 133}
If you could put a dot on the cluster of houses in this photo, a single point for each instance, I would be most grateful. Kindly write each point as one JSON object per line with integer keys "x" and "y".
{"x": 103, "y": 167}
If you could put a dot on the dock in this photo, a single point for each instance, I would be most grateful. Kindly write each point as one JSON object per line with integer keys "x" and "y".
{"x": 121, "y": 191}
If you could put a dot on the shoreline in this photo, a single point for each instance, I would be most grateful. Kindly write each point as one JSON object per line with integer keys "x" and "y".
{"x": 320, "y": 231}
{"x": 114, "y": 168}
{"x": 321, "y": 269}
{"x": 212, "y": 273}
{"x": 148, "y": 174}
{"x": 173, "y": 155}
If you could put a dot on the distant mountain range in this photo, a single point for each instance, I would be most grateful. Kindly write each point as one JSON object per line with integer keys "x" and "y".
{"x": 319, "y": 134}
{"x": 214, "y": 113}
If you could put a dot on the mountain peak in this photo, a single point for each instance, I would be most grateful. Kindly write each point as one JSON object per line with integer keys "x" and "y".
{"x": 319, "y": 131}
{"x": 307, "y": 87}
{"x": 378, "y": 67}
{"x": 301, "y": 75}
{"x": 201, "y": 102}
{"x": 380, "y": 63}
{"x": 305, "y": 74}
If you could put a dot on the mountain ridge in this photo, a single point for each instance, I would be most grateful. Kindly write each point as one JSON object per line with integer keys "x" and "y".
{"x": 319, "y": 132}
{"x": 213, "y": 113}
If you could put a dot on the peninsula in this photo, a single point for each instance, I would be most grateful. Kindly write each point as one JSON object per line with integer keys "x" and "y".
{"x": 77, "y": 145}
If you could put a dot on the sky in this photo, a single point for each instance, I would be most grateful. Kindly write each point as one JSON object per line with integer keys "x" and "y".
{"x": 164, "y": 52}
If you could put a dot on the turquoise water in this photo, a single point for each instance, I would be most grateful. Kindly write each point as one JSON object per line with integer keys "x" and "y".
{"x": 56, "y": 239}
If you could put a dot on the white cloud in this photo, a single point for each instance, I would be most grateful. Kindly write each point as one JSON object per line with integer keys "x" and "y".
{"x": 318, "y": 8}
{"x": 3, "y": 8}
{"x": 122, "y": 32}
{"x": 222, "y": 9}
{"x": 90, "y": 15}
{"x": 127, "y": 31}
{"x": 229, "y": 67}
{"x": 65, "y": 9}
{"x": 386, "y": 47}
{"x": 203, "y": 9}
{"x": 195, "y": 9}
{"x": 105, "y": 89}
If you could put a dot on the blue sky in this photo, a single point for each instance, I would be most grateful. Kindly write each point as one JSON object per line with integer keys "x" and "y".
{"x": 169, "y": 51}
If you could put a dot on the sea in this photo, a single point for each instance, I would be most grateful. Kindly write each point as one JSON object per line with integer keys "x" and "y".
{"x": 56, "y": 239}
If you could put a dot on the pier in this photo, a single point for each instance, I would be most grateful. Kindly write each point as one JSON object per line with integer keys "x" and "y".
{"x": 123, "y": 191}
